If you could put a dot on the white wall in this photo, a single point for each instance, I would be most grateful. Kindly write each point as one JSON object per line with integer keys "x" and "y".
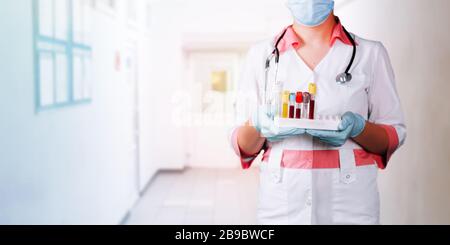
{"x": 414, "y": 188}
{"x": 69, "y": 165}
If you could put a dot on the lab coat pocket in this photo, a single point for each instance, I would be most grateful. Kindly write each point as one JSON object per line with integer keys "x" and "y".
{"x": 357, "y": 202}
{"x": 355, "y": 93}
{"x": 273, "y": 200}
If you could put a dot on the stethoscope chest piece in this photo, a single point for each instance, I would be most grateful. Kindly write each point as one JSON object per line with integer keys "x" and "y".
{"x": 344, "y": 78}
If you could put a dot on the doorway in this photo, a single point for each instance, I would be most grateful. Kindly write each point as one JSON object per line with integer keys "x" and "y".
{"x": 130, "y": 64}
{"x": 212, "y": 76}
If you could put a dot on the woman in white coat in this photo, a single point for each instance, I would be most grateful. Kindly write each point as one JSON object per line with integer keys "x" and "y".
{"x": 313, "y": 176}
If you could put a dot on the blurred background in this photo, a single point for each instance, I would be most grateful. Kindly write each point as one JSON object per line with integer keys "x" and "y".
{"x": 118, "y": 111}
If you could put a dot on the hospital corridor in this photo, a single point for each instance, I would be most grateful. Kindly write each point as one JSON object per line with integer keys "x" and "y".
{"x": 121, "y": 112}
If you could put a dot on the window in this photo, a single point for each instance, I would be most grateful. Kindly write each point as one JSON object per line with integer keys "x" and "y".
{"x": 62, "y": 53}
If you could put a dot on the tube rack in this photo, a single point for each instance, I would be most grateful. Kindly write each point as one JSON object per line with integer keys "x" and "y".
{"x": 329, "y": 123}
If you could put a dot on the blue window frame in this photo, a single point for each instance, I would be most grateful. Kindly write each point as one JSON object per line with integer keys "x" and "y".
{"x": 62, "y": 55}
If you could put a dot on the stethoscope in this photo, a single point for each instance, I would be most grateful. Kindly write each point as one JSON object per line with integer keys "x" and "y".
{"x": 342, "y": 78}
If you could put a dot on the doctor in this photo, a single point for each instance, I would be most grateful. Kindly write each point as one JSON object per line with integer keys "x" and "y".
{"x": 313, "y": 176}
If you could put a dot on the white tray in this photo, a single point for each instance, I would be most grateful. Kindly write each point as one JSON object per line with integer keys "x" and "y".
{"x": 331, "y": 123}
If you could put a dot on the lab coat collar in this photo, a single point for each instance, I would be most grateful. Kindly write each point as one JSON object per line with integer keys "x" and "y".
{"x": 291, "y": 39}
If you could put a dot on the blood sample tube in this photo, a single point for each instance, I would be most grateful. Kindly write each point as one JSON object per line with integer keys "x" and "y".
{"x": 285, "y": 104}
{"x": 306, "y": 100}
{"x": 298, "y": 108}
{"x": 312, "y": 103}
{"x": 292, "y": 105}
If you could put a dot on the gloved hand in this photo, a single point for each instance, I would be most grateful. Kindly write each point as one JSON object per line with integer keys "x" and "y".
{"x": 263, "y": 121}
{"x": 351, "y": 126}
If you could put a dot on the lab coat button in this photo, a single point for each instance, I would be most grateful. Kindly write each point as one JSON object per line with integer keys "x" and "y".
{"x": 348, "y": 178}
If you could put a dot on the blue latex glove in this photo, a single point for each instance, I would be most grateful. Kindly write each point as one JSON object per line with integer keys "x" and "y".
{"x": 351, "y": 126}
{"x": 263, "y": 121}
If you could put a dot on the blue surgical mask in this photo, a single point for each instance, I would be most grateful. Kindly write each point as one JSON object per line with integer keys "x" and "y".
{"x": 310, "y": 12}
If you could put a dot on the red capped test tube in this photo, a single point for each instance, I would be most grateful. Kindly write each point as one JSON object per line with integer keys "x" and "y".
{"x": 292, "y": 105}
{"x": 299, "y": 101}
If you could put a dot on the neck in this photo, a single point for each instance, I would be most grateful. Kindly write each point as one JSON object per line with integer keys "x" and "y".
{"x": 317, "y": 34}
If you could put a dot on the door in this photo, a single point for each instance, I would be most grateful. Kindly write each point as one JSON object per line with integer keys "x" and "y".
{"x": 130, "y": 64}
{"x": 212, "y": 79}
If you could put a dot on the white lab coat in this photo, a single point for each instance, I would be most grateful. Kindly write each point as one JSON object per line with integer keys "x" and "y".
{"x": 344, "y": 195}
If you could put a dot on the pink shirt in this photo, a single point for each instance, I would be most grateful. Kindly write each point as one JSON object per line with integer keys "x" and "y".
{"x": 291, "y": 39}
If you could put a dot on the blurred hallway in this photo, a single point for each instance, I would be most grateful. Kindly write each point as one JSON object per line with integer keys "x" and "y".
{"x": 198, "y": 197}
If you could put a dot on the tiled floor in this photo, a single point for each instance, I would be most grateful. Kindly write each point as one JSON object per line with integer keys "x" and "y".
{"x": 199, "y": 197}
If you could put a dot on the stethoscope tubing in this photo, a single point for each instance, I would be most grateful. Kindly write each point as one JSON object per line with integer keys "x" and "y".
{"x": 341, "y": 78}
